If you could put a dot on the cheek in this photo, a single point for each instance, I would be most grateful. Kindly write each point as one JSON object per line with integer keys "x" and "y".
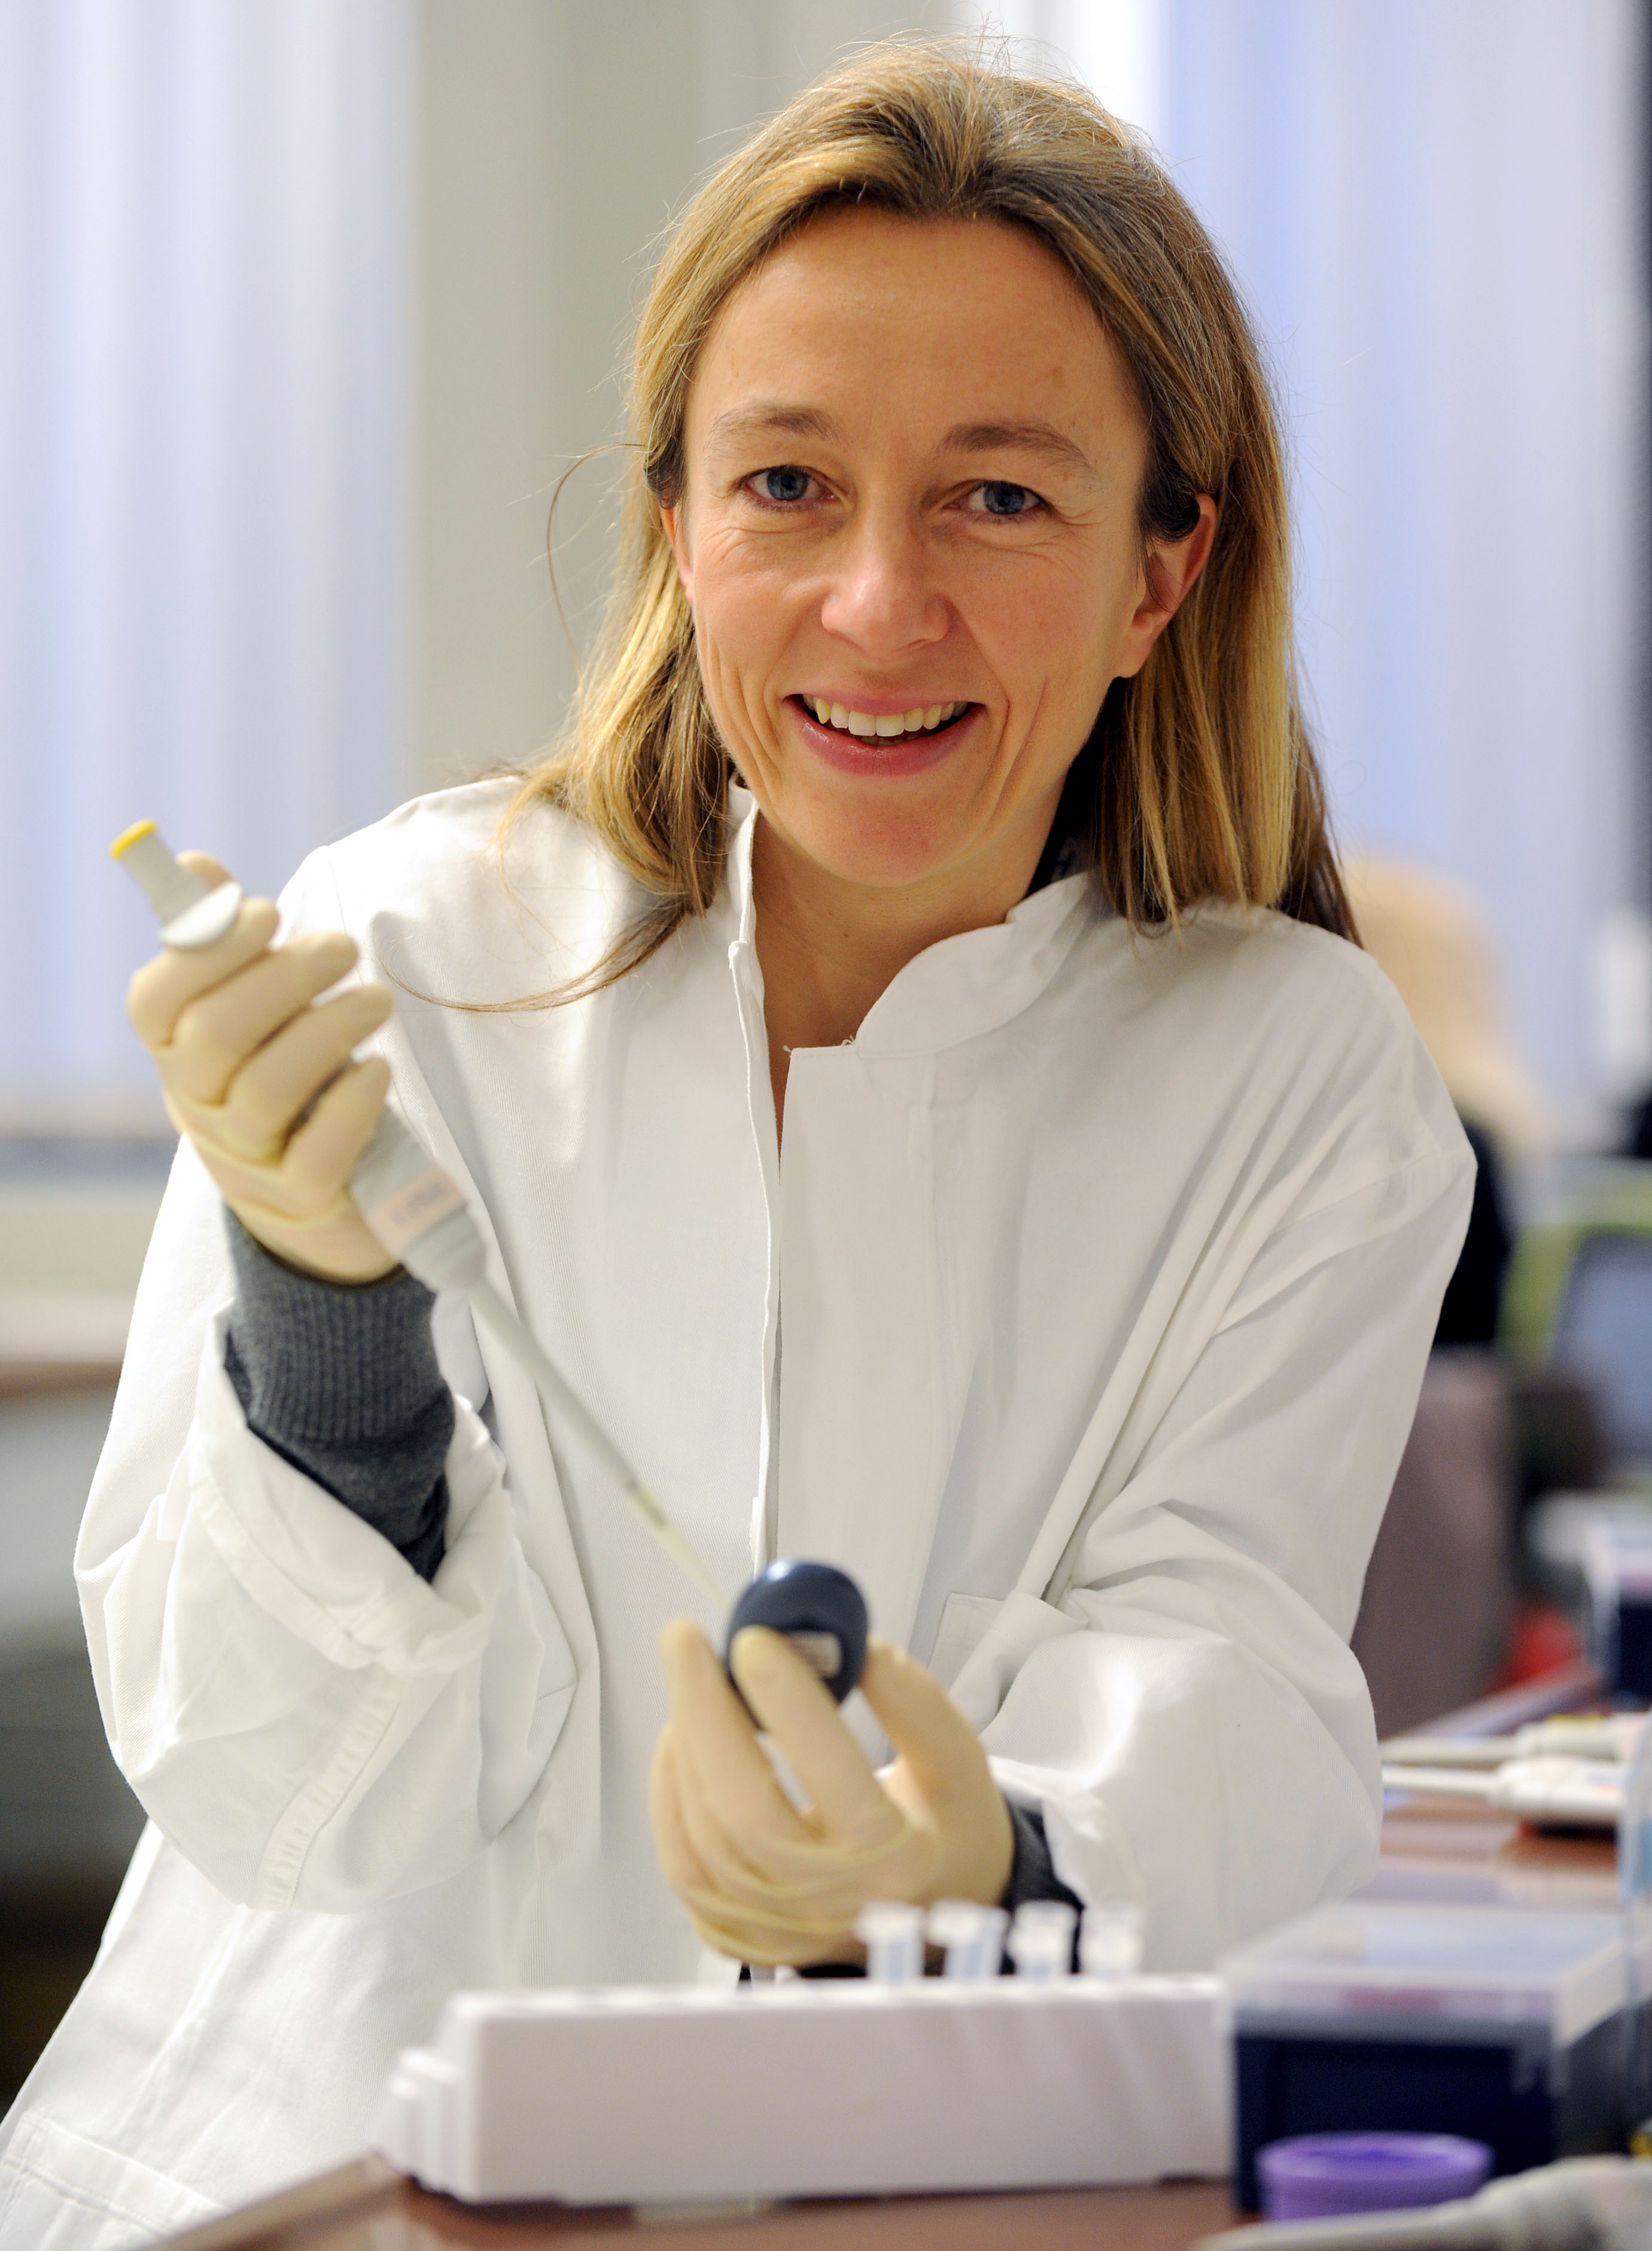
{"x": 1052, "y": 629}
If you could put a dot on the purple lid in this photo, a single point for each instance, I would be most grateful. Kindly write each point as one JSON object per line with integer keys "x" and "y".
{"x": 1313, "y": 2176}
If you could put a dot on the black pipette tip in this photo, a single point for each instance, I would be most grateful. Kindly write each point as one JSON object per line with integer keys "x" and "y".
{"x": 819, "y": 1610}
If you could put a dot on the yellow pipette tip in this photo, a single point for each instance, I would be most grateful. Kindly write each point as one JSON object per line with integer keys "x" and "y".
{"x": 128, "y": 837}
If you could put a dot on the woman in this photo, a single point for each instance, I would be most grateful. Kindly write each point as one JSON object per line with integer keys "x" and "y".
{"x": 960, "y": 1140}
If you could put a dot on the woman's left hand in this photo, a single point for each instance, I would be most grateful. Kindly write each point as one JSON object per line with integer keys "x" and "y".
{"x": 769, "y": 1884}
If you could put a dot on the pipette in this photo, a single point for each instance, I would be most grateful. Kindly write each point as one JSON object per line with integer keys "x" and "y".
{"x": 1612, "y": 1736}
{"x": 407, "y": 1202}
{"x": 1573, "y": 1793}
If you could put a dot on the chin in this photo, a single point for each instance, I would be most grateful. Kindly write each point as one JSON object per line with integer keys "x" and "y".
{"x": 876, "y": 855}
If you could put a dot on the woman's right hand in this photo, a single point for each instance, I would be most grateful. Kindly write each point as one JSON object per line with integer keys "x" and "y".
{"x": 244, "y": 1057}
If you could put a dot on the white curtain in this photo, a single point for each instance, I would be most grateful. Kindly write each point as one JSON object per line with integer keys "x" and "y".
{"x": 1435, "y": 209}
{"x": 203, "y": 251}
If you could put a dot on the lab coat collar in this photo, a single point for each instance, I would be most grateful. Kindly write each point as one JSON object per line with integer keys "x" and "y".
{"x": 953, "y": 991}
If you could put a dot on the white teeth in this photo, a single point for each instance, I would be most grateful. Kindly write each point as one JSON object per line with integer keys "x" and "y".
{"x": 921, "y": 719}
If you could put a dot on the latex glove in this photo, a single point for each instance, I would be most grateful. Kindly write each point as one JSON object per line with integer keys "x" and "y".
{"x": 769, "y": 1884}
{"x": 244, "y": 1055}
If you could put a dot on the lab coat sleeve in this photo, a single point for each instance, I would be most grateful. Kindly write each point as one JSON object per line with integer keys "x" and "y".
{"x": 1185, "y": 1710}
{"x": 305, "y": 1718}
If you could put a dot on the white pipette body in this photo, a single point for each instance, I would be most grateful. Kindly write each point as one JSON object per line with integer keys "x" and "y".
{"x": 407, "y": 1202}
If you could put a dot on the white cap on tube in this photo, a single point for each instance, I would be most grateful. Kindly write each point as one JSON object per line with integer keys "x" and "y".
{"x": 892, "y": 1933}
{"x": 972, "y": 1936}
{"x": 1110, "y": 1939}
{"x": 1041, "y": 1939}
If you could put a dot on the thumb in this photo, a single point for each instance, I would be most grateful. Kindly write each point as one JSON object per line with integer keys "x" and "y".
{"x": 204, "y": 865}
{"x": 941, "y": 1749}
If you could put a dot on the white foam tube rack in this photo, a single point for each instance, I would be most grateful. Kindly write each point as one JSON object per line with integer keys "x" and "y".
{"x": 635, "y": 2094}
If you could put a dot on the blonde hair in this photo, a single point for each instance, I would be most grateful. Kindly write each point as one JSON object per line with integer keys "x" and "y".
{"x": 1199, "y": 781}
{"x": 1428, "y": 936}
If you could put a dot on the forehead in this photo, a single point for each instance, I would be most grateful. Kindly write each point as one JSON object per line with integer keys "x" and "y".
{"x": 915, "y": 323}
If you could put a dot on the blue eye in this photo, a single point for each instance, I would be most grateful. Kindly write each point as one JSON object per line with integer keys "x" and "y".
{"x": 784, "y": 484}
{"x": 999, "y": 499}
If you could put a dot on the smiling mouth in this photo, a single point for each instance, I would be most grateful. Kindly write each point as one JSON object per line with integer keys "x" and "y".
{"x": 866, "y": 726}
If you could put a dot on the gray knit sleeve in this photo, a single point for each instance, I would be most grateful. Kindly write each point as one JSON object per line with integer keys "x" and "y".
{"x": 342, "y": 1381}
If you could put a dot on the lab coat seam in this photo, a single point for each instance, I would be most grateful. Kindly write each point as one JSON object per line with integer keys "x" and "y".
{"x": 310, "y": 1809}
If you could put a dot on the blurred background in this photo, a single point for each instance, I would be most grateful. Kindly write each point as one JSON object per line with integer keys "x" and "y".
{"x": 307, "y": 304}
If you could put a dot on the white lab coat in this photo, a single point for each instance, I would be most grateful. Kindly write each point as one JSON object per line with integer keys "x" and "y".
{"x": 1109, "y": 1267}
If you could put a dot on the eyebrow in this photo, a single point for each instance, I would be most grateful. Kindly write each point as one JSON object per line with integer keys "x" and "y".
{"x": 1022, "y": 437}
{"x": 736, "y": 424}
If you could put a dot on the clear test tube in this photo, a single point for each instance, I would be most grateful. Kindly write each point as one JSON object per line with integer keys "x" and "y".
{"x": 1110, "y": 1939}
{"x": 892, "y": 1933}
{"x": 971, "y": 1935}
{"x": 1042, "y": 1940}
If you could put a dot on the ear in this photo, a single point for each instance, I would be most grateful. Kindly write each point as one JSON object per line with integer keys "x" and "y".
{"x": 1172, "y": 567}
{"x": 676, "y": 533}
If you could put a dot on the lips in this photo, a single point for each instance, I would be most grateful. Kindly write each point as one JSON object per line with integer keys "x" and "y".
{"x": 888, "y": 726}
{"x": 884, "y": 755}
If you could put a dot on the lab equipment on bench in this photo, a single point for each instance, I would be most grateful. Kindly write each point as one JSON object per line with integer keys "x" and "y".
{"x": 1592, "y": 1552}
{"x": 1553, "y": 1792}
{"x": 1322, "y": 2176}
{"x": 813, "y": 2088}
{"x": 1040, "y": 1943}
{"x": 892, "y": 1933}
{"x": 420, "y": 1216}
{"x": 1582, "y": 2203}
{"x": 1613, "y": 1737}
{"x": 971, "y": 1937}
{"x": 1504, "y": 2025}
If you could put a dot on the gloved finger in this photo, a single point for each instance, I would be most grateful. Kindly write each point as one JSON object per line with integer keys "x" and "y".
{"x": 793, "y": 1706}
{"x": 204, "y": 865}
{"x": 769, "y": 1940}
{"x": 216, "y": 1032}
{"x": 939, "y": 1747}
{"x": 163, "y": 988}
{"x": 323, "y": 1154}
{"x": 679, "y": 1863}
{"x": 748, "y": 1927}
{"x": 719, "y": 1747}
{"x": 280, "y": 1080}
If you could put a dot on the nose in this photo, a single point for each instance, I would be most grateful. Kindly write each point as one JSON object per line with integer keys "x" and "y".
{"x": 884, "y": 598}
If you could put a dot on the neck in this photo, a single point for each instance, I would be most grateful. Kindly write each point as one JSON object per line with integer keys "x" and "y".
{"x": 829, "y": 949}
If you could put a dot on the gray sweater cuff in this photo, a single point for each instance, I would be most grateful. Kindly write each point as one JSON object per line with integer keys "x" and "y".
{"x": 343, "y": 1381}
{"x": 1032, "y": 1871}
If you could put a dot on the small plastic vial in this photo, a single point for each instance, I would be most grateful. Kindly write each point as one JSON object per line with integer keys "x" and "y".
{"x": 1042, "y": 1940}
{"x": 892, "y": 1933}
{"x": 972, "y": 1936}
{"x": 1109, "y": 1939}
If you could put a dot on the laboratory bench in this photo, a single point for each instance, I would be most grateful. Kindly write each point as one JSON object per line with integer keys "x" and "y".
{"x": 1431, "y": 1849}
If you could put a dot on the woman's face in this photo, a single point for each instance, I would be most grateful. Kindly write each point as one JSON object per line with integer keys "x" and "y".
{"x": 908, "y": 537}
